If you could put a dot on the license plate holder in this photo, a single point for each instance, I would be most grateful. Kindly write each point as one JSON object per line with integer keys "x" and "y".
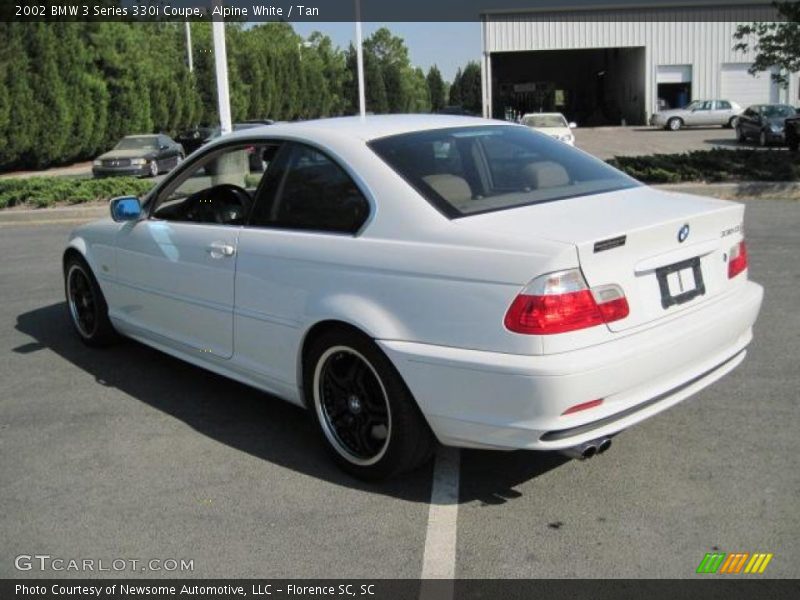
{"x": 689, "y": 269}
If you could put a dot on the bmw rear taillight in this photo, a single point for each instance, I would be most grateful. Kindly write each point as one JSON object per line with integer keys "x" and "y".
{"x": 737, "y": 261}
{"x": 560, "y": 302}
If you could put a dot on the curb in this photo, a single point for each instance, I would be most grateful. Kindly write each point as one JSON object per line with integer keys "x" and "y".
{"x": 744, "y": 190}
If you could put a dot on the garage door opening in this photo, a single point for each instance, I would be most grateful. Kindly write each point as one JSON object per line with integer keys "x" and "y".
{"x": 673, "y": 86}
{"x": 604, "y": 86}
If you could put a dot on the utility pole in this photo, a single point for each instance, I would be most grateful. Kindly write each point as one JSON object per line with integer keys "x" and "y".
{"x": 362, "y": 100}
{"x": 221, "y": 64}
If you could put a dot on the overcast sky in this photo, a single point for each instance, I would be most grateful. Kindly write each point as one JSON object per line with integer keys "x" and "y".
{"x": 448, "y": 45}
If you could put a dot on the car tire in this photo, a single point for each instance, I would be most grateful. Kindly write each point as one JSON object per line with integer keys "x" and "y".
{"x": 154, "y": 169}
{"x": 730, "y": 124}
{"x": 762, "y": 139}
{"x": 86, "y": 305}
{"x": 740, "y": 137}
{"x": 368, "y": 420}
{"x": 674, "y": 124}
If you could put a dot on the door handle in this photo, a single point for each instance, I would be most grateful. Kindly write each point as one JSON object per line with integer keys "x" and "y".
{"x": 221, "y": 250}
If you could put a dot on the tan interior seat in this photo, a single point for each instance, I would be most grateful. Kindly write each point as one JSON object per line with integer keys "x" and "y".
{"x": 450, "y": 187}
{"x": 545, "y": 174}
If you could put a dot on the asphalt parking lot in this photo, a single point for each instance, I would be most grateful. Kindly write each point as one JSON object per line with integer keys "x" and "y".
{"x": 127, "y": 453}
{"x": 608, "y": 142}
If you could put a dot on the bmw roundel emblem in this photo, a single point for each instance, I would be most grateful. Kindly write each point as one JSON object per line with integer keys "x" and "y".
{"x": 683, "y": 233}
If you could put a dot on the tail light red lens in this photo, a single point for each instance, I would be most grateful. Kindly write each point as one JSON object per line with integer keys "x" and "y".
{"x": 561, "y": 302}
{"x": 738, "y": 260}
{"x": 582, "y": 406}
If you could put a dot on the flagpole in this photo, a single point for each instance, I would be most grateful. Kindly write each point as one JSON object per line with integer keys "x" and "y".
{"x": 221, "y": 64}
{"x": 362, "y": 100}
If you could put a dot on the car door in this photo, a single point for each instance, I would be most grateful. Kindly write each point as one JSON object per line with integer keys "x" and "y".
{"x": 175, "y": 268}
{"x": 702, "y": 115}
{"x": 300, "y": 237}
{"x": 750, "y": 122}
{"x": 722, "y": 112}
{"x": 167, "y": 152}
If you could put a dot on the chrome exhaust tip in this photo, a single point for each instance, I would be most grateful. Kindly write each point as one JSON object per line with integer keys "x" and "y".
{"x": 587, "y": 449}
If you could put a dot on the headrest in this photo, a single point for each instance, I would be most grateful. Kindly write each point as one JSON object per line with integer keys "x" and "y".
{"x": 449, "y": 187}
{"x": 545, "y": 174}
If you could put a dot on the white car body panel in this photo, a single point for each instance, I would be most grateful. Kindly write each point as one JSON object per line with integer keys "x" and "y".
{"x": 433, "y": 293}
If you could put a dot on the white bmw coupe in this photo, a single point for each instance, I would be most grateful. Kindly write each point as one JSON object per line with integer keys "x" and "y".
{"x": 414, "y": 279}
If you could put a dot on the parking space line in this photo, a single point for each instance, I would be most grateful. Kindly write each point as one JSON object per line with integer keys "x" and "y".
{"x": 439, "y": 559}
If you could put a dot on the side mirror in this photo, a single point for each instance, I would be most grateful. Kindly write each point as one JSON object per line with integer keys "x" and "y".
{"x": 125, "y": 208}
{"x": 573, "y": 125}
{"x": 164, "y": 146}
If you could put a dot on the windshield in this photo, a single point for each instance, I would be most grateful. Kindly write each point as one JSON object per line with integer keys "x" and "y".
{"x": 544, "y": 121}
{"x": 137, "y": 143}
{"x": 470, "y": 170}
{"x": 773, "y": 112}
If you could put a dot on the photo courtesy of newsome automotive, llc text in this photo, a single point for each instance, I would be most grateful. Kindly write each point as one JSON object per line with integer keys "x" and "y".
{"x": 421, "y": 300}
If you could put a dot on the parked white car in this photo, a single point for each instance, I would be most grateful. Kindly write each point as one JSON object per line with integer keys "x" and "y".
{"x": 552, "y": 124}
{"x": 413, "y": 278}
{"x": 700, "y": 113}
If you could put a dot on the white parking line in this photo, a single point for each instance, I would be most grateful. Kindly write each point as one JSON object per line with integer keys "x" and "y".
{"x": 439, "y": 559}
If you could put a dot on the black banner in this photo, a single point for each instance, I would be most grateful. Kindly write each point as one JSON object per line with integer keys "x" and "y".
{"x": 376, "y": 10}
{"x": 712, "y": 588}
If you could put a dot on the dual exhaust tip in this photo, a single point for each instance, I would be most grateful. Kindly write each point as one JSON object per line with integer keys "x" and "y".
{"x": 588, "y": 449}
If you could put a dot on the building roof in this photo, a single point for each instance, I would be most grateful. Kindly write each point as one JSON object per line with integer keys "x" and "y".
{"x": 529, "y": 6}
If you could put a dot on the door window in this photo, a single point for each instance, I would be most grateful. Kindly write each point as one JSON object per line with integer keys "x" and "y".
{"x": 218, "y": 188}
{"x": 309, "y": 191}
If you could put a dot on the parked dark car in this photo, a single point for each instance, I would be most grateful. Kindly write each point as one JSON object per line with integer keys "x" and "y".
{"x": 764, "y": 123}
{"x": 199, "y": 136}
{"x": 792, "y": 132}
{"x": 140, "y": 156}
{"x": 257, "y": 161}
{"x": 196, "y": 137}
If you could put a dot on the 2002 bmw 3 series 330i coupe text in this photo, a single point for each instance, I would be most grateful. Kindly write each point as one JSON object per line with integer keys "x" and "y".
{"x": 414, "y": 279}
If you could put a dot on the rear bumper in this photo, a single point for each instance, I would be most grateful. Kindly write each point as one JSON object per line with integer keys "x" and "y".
{"x": 481, "y": 399}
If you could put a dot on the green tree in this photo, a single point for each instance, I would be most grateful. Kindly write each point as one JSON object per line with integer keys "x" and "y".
{"x": 470, "y": 88}
{"x": 776, "y": 44}
{"x": 435, "y": 88}
{"x": 455, "y": 90}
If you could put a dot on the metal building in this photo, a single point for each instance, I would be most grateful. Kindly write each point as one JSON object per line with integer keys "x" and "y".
{"x": 618, "y": 64}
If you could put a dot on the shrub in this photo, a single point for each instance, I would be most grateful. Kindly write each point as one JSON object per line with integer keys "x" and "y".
{"x": 712, "y": 166}
{"x": 40, "y": 192}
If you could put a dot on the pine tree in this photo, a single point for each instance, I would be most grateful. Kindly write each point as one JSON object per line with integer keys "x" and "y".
{"x": 435, "y": 88}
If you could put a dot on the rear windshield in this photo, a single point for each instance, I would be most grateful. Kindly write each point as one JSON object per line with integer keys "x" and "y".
{"x": 777, "y": 111}
{"x": 544, "y": 121}
{"x": 136, "y": 143}
{"x": 471, "y": 170}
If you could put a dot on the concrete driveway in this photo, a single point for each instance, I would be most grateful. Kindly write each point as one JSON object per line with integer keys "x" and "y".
{"x": 127, "y": 453}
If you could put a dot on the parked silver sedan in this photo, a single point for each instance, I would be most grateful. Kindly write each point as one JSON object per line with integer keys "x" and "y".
{"x": 698, "y": 113}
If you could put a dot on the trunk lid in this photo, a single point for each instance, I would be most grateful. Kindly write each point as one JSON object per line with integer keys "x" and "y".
{"x": 631, "y": 238}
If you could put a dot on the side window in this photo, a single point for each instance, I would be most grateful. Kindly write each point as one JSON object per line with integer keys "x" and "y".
{"x": 310, "y": 191}
{"x": 218, "y": 188}
{"x": 723, "y": 105}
